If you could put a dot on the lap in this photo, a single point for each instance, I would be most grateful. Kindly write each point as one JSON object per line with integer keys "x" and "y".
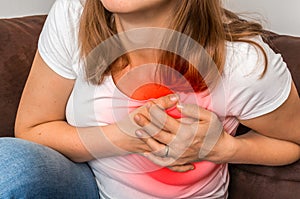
{"x": 29, "y": 170}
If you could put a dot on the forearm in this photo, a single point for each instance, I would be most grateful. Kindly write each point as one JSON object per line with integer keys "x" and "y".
{"x": 254, "y": 148}
{"x": 78, "y": 144}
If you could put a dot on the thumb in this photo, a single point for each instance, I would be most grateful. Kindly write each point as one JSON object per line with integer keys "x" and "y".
{"x": 195, "y": 111}
{"x": 182, "y": 168}
{"x": 167, "y": 101}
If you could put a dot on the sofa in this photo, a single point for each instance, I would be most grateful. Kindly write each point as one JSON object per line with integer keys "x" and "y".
{"x": 18, "y": 43}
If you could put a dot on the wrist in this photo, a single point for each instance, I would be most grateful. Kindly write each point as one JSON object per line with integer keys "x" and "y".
{"x": 115, "y": 138}
{"x": 231, "y": 148}
{"x": 123, "y": 142}
{"x": 225, "y": 149}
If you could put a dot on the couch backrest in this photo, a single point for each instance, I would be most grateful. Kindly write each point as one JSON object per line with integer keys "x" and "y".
{"x": 289, "y": 48}
{"x": 18, "y": 43}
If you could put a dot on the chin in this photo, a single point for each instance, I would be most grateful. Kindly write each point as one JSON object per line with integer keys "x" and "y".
{"x": 131, "y": 6}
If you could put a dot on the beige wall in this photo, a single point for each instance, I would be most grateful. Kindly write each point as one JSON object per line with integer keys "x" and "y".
{"x": 13, "y": 8}
{"x": 281, "y": 16}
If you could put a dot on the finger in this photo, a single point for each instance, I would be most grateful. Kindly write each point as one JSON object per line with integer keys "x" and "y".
{"x": 195, "y": 111}
{"x": 152, "y": 130}
{"x": 182, "y": 168}
{"x": 161, "y": 119}
{"x": 144, "y": 122}
{"x": 157, "y": 148}
{"x": 215, "y": 128}
{"x": 161, "y": 161}
{"x": 167, "y": 101}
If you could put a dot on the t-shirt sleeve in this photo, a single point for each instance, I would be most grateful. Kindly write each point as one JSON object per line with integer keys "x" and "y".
{"x": 249, "y": 94}
{"x": 56, "y": 42}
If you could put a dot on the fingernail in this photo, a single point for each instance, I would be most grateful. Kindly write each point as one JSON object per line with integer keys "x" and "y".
{"x": 137, "y": 118}
{"x": 139, "y": 133}
{"x": 146, "y": 154}
{"x": 174, "y": 97}
{"x": 148, "y": 105}
{"x": 179, "y": 106}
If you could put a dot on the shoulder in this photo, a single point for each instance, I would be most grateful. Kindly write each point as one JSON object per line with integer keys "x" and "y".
{"x": 246, "y": 58}
{"x": 72, "y": 4}
{"x": 58, "y": 43}
{"x": 247, "y": 62}
{"x": 65, "y": 11}
{"x": 67, "y": 8}
{"x": 62, "y": 23}
{"x": 249, "y": 92}
{"x": 64, "y": 19}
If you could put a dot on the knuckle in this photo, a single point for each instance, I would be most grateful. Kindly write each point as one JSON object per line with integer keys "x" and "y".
{"x": 147, "y": 126}
{"x": 158, "y": 136}
{"x": 162, "y": 104}
{"x": 157, "y": 149}
{"x": 147, "y": 141}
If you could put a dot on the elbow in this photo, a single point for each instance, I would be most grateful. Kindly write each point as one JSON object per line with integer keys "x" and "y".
{"x": 18, "y": 130}
{"x": 78, "y": 159}
{"x": 295, "y": 155}
{"x": 21, "y": 130}
{"x": 298, "y": 158}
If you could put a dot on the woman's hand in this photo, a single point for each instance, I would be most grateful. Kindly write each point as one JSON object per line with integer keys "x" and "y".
{"x": 124, "y": 137}
{"x": 199, "y": 135}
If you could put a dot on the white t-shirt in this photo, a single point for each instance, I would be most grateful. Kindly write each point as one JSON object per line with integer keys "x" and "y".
{"x": 241, "y": 95}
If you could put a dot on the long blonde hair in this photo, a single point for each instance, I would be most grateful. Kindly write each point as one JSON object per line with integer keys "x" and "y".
{"x": 205, "y": 21}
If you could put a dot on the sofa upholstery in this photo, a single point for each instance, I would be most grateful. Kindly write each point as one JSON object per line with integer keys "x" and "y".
{"x": 260, "y": 182}
{"x": 18, "y": 43}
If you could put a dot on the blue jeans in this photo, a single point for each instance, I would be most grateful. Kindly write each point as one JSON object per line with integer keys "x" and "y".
{"x": 29, "y": 170}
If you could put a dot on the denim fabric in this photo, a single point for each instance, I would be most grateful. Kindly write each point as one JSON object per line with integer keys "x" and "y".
{"x": 29, "y": 170}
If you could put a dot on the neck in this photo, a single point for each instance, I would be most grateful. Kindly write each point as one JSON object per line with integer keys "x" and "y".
{"x": 158, "y": 18}
{"x": 124, "y": 23}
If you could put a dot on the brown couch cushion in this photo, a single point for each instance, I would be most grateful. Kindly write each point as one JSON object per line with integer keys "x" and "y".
{"x": 18, "y": 39}
{"x": 253, "y": 181}
{"x": 289, "y": 47}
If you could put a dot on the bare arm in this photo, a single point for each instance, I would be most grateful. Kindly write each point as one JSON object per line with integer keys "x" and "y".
{"x": 280, "y": 135}
{"x": 254, "y": 148}
{"x": 41, "y": 119}
{"x": 283, "y": 123}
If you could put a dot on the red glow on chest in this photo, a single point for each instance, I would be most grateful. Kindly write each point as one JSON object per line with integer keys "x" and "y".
{"x": 165, "y": 175}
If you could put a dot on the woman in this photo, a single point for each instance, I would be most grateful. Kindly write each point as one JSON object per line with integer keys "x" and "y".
{"x": 80, "y": 106}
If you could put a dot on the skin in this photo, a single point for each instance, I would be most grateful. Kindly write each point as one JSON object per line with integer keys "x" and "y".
{"x": 46, "y": 124}
{"x": 253, "y": 140}
{"x": 275, "y": 144}
{"x": 138, "y": 13}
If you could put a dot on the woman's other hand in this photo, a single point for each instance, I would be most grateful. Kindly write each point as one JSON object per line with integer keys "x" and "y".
{"x": 199, "y": 135}
{"x": 124, "y": 137}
